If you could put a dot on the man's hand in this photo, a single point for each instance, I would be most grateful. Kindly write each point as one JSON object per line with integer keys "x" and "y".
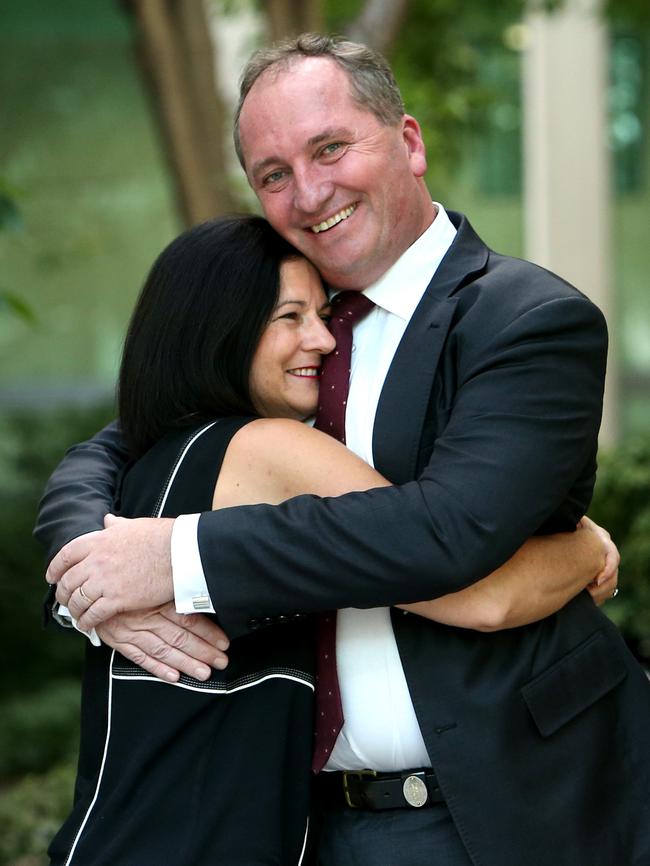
{"x": 124, "y": 567}
{"x": 167, "y": 643}
{"x": 604, "y": 585}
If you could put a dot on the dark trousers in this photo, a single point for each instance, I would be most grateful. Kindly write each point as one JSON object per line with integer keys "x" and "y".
{"x": 397, "y": 837}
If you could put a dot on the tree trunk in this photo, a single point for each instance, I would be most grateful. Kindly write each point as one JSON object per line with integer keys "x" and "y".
{"x": 378, "y": 23}
{"x": 177, "y": 53}
{"x": 291, "y": 17}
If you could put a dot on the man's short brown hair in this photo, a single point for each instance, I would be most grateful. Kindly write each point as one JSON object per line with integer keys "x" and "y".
{"x": 372, "y": 84}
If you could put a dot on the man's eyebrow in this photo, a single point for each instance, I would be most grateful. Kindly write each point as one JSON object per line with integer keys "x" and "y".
{"x": 264, "y": 163}
{"x": 331, "y": 132}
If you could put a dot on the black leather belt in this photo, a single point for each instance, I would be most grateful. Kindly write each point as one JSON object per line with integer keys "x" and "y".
{"x": 366, "y": 789}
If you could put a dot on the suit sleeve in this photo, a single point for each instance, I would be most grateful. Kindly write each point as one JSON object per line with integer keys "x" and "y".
{"x": 81, "y": 490}
{"x": 520, "y": 440}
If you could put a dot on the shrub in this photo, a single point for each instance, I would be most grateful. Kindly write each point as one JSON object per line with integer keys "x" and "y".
{"x": 622, "y": 504}
{"x": 45, "y": 724}
{"x": 31, "y": 812}
{"x": 30, "y": 447}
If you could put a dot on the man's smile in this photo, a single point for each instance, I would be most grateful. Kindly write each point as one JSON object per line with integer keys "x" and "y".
{"x": 334, "y": 220}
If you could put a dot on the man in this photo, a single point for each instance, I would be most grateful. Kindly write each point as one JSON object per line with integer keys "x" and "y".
{"x": 476, "y": 386}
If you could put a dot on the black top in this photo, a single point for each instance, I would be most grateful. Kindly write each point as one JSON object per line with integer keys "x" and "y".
{"x": 216, "y": 771}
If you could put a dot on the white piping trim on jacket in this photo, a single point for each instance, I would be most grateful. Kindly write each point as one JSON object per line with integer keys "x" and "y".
{"x": 159, "y": 511}
{"x": 215, "y": 691}
{"x": 180, "y": 459}
{"x": 304, "y": 842}
{"x": 178, "y": 685}
{"x": 101, "y": 769}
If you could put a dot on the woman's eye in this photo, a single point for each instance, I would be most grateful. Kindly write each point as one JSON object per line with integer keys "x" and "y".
{"x": 292, "y": 316}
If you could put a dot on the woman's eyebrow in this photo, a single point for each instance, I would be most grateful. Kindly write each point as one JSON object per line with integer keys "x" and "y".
{"x": 289, "y": 301}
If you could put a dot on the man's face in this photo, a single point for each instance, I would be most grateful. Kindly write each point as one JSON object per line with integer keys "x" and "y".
{"x": 339, "y": 185}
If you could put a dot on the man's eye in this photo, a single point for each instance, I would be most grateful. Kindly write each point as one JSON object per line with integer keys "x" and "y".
{"x": 274, "y": 177}
{"x": 332, "y": 147}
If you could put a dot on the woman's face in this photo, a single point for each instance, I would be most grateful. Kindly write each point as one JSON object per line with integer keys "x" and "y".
{"x": 286, "y": 365}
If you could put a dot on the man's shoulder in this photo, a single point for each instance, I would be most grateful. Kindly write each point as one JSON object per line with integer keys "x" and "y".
{"x": 504, "y": 280}
{"x": 514, "y": 301}
{"x": 510, "y": 287}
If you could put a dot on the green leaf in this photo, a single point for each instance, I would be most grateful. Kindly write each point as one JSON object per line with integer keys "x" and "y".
{"x": 10, "y": 217}
{"x": 15, "y": 305}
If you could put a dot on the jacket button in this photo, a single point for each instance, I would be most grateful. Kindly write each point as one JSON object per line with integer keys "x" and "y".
{"x": 253, "y": 624}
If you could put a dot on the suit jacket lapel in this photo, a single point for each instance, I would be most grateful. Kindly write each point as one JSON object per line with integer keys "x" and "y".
{"x": 405, "y": 396}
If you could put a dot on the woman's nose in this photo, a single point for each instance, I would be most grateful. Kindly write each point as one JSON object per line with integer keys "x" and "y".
{"x": 319, "y": 338}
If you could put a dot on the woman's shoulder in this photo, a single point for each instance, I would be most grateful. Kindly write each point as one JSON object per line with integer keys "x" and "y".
{"x": 192, "y": 454}
{"x": 273, "y": 459}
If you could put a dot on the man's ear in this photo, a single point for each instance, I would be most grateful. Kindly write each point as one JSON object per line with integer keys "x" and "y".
{"x": 412, "y": 135}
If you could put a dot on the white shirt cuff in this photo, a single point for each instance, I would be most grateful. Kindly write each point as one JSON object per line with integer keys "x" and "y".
{"x": 190, "y": 587}
{"x": 62, "y": 615}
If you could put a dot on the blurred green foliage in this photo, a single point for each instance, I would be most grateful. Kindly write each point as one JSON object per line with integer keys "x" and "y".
{"x": 622, "y": 504}
{"x": 11, "y": 220}
{"x": 40, "y": 687}
{"x": 31, "y": 444}
{"x": 46, "y": 725}
{"x": 31, "y": 812}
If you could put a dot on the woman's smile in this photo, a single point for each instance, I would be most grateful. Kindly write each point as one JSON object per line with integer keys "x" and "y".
{"x": 286, "y": 366}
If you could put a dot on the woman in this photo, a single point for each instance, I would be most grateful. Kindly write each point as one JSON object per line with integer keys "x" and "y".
{"x": 220, "y": 366}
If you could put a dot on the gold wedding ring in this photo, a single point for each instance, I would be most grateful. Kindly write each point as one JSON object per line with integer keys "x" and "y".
{"x": 84, "y": 596}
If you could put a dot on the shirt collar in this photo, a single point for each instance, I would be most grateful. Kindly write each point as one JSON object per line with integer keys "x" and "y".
{"x": 400, "y": 289}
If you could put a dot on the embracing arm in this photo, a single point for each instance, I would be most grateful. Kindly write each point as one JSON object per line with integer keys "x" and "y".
{"x": 81, "y": 490}
{"x": 78, "y": 495}
{"x": 270, "y": 461}
{"x": 542, "y": 576}
{"x": 517, "y": 451}
{"x": 516, "y": 455}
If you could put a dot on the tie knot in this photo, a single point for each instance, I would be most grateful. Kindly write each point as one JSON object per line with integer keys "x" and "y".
{"x": 351, "y": 306}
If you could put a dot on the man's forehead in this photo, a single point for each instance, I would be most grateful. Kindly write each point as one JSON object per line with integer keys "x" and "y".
{"x": 297, "y": 66}
{"x": 305, "y": 77}
{"x": 271, "y": 121}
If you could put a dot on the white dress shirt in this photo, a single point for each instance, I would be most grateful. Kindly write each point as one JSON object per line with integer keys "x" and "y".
{"x": 380, "y": 731}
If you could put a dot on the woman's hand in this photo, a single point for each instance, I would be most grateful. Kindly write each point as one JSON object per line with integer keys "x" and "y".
{"x": 538, "y": 580}
{"x": 605, "y": 585}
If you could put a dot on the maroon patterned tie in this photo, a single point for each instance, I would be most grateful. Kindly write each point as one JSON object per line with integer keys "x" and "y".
{"x": 348, "y": 308}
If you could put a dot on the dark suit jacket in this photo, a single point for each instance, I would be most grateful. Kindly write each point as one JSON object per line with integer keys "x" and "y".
{"x": 488, "y": 421}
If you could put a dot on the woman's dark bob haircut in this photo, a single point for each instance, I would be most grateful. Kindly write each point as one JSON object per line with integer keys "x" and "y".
{"x": 190, "y": 343}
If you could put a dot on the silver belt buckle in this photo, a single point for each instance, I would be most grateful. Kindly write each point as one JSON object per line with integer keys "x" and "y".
{"x": 415, "y": 791}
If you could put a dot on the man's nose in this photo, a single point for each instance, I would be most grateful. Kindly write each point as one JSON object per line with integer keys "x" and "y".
{"x": 312, "y": 190}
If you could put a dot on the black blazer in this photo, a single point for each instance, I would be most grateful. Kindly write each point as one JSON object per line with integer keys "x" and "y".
{"x": 488, "y": 421}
